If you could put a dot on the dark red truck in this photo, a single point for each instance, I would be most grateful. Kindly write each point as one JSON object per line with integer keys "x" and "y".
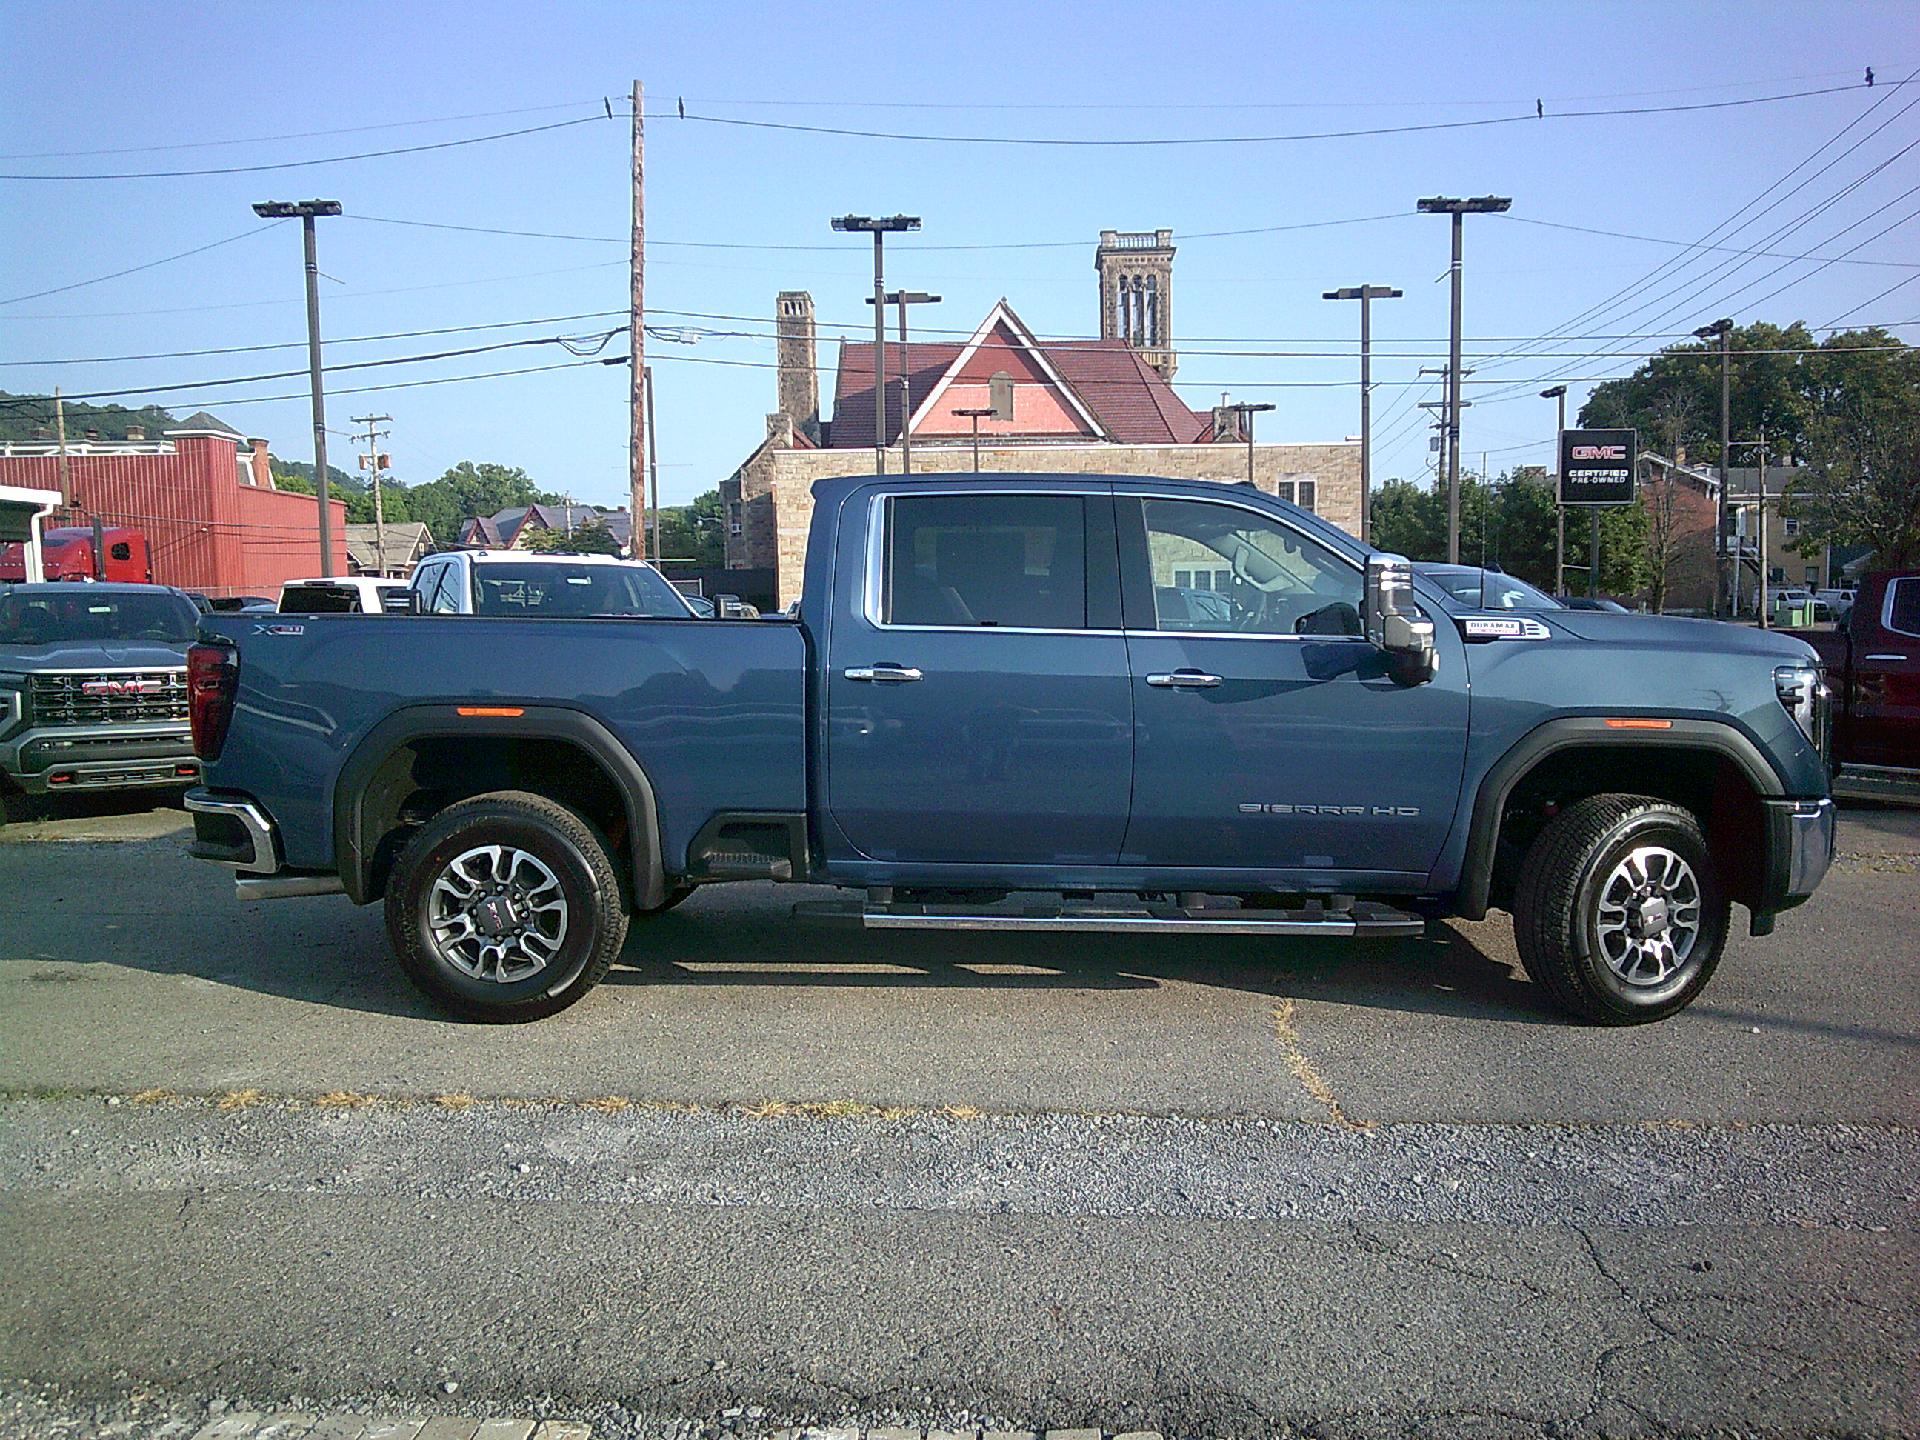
{"x": 1872, "y": 662}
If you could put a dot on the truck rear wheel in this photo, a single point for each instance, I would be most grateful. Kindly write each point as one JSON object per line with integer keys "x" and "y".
{"x": 505, "y": 907}
{"x": 1618, "y": 914}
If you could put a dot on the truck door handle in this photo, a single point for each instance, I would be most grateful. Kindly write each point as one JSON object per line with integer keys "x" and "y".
{"x": 885, "y": 674}
{"x": 1185, "y": 679}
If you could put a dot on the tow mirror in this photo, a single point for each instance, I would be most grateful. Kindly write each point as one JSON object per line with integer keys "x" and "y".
{"x": 402, "y": 602}
{"x": 1394, "y": 624}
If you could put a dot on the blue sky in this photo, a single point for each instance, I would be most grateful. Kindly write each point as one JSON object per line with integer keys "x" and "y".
{"x": 96, "y": 77}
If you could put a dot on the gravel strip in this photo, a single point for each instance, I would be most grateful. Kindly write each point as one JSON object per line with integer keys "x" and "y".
{"x": 1853, "y": 1177}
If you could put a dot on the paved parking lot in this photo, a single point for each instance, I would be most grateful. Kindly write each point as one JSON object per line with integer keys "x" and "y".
{"x": 1219, "y": 1187}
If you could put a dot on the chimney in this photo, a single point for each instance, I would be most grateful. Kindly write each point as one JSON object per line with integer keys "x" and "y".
{"x": 262, "y": 467}
{"x": 780, "y": 430}
{"x": 799, "y": 382}
{"x": 134, "y": 432}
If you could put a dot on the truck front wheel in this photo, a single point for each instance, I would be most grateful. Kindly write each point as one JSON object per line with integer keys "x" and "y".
{"x": 1618, "y": 914}
{"x": 505, "y": 907}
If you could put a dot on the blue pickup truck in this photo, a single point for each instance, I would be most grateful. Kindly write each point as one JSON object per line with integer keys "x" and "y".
{"x": 1030, "y": 703}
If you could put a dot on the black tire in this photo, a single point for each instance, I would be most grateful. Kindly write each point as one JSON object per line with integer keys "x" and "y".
{"x": 1594, "y": 970}
{"x": 591, "y": 930}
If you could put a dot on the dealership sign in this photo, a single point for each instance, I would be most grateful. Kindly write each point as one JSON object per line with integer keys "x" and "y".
{"x": 1597, "y": 467}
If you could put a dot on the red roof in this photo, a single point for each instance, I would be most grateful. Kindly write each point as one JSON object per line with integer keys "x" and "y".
{"x": 1125, "y": 395}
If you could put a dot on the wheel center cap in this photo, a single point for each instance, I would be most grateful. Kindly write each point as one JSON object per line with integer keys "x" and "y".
{"x": 1649, "y": 918}
{"x": 494, "y": 915}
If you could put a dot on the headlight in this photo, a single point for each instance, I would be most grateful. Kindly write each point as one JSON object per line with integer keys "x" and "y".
{"x": 1806, "y": 698}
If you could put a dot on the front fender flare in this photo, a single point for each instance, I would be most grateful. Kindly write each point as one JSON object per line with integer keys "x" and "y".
{"x": 1573, "y": 732}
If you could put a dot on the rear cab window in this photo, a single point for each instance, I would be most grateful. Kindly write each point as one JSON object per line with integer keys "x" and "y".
{"x": 969, "y": 561}
{"x": 320, "y": 600}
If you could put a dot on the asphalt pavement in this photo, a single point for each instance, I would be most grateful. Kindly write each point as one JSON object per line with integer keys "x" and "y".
{"x": 769, "y": 1175}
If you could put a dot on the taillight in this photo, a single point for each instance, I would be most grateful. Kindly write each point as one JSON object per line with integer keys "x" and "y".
{"x": 213, "y": 674}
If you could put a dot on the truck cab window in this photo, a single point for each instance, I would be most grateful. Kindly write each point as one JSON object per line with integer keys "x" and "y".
{"x": 1017, "y": 561}
{"x": 1222, "y": 568}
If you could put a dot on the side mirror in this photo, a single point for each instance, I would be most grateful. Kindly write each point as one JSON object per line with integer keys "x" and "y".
{"x": 1394, "y": 625}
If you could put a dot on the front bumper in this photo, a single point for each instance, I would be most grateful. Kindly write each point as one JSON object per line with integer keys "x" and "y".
{"x": 49, "y": 760}
{"x": 1800, "y": 842}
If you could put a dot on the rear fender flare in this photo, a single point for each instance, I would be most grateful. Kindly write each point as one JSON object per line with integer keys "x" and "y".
{"x": 354, "y": 847}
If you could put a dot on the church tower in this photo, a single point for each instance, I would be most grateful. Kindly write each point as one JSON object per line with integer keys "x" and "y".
{"x": 1136, "y": 293}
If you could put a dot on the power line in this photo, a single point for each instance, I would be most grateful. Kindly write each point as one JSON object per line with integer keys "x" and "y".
{"x": 1692, "y": 244}
{"x": 323, "y": 160}
{"x": 1897, "y": 285}
{"x": 841, "y": 250}
{"x": 1116, "y": 142}
{"x": 595, "y": 101}
{"x": 136, "y": 269}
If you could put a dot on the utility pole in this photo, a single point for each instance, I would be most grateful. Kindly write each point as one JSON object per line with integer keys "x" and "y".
{"x": 1366, "y": 295}
{"x": 653, "y": 476}
{"x": 1559, "y": 393}
{"x": 638, "y": 422}
{"x": 904, "y": 298}
{"x": 1246, "y": 410}
{"x": 879, "y": 227}
{"x": 307, "y": 210}
{"x": 1760, "y": 499}
{"x": 379, "y": 509}
{"x": 1445, "y": 205}
{"x": 1721, "y": 603}
{"x": 60, "y": 435}
{"x": 977, "y": 414}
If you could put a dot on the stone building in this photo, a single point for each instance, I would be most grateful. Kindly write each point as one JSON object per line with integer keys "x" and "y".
{"x": 1090, "y": 407}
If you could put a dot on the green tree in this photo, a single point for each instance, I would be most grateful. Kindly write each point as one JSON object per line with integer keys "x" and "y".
{"x": 1861, "y": 484}
{"x": 469, "y": 490}
{"x": 393, "y": 498}
{"x": 1682, "y": 383}
{"x": 695, "y": 531}
{"x": 589, "y": 538}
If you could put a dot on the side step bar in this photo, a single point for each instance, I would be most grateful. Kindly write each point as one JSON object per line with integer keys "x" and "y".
{"x": 1877, "y": 782}
{"x": 1358, "y": 920}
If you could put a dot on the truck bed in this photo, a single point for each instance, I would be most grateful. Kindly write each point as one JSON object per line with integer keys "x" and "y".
{"x": 715, "y": 712}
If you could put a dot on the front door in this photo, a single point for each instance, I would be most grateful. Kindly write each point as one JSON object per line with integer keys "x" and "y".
{"x": 1269, "y": 734}
{"x": 978, "y": 705}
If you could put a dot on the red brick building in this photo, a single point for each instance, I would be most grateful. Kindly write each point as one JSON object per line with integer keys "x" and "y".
{"x": 204, "y": 498}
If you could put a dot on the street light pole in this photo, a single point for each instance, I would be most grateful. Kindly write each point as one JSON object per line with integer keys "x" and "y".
{"x": 977, "y": 414}
{"x": 1366, "y": 295}
{"x": 307, "y": 210}
{"x": 1558, "y": 392}
{"x": 904, "y": 298}
{"x": 879, "y": 227}
{"x": 1721, "y": 602}
{"x": 1445, "y": 205}
{"x": 1246, "y": 410}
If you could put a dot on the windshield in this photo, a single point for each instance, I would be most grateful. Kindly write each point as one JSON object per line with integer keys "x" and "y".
{"x": 1503, "y": 592}
{"x": 30, "y": 618}
{"x": 550, "y": 588}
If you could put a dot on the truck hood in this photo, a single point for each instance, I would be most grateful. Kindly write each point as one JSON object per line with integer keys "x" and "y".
{"x": 1663, "y": 632}
{"x": 93, "y": 655}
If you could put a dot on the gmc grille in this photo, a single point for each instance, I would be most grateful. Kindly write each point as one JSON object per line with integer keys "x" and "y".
{"x": 109, "y": 698}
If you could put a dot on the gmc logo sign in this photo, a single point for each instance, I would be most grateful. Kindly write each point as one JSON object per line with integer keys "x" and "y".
{"x": 1600, "y": 452}
{"x": 122, "y": 687}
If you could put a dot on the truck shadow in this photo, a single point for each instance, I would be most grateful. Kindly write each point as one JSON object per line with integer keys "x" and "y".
{"x": 1443, "y": 973}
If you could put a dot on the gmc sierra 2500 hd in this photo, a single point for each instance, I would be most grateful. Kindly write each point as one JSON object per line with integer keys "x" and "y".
{"x": 1163, "y": 705}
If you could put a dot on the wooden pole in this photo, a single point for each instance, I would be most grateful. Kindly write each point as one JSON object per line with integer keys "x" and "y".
{"x": 653, "y": 470}
{"x": 637, "y": 330}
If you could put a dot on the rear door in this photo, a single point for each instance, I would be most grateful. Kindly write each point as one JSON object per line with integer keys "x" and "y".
{"x": 978, "y": 705}
{"x": 1269, "y": 734}
{"x": 1883, "y": 712}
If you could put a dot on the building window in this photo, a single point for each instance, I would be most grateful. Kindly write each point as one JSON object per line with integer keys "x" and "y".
{"x": 1283, "y": 490}
{"x": 1309, "y": 493}
{"x": 1793, "y": 524}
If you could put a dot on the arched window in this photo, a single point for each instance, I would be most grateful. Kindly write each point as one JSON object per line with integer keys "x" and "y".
{"x": 1152, "y": 329}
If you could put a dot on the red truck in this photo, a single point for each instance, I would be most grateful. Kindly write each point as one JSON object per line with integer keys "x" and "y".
{"x": 66, "y": 553}
{"x": 1872, "y": 662}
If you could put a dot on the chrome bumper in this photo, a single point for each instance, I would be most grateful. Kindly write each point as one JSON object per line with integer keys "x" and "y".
{"x": 255, "y": 854}
{"x": 1803, "y": 833}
